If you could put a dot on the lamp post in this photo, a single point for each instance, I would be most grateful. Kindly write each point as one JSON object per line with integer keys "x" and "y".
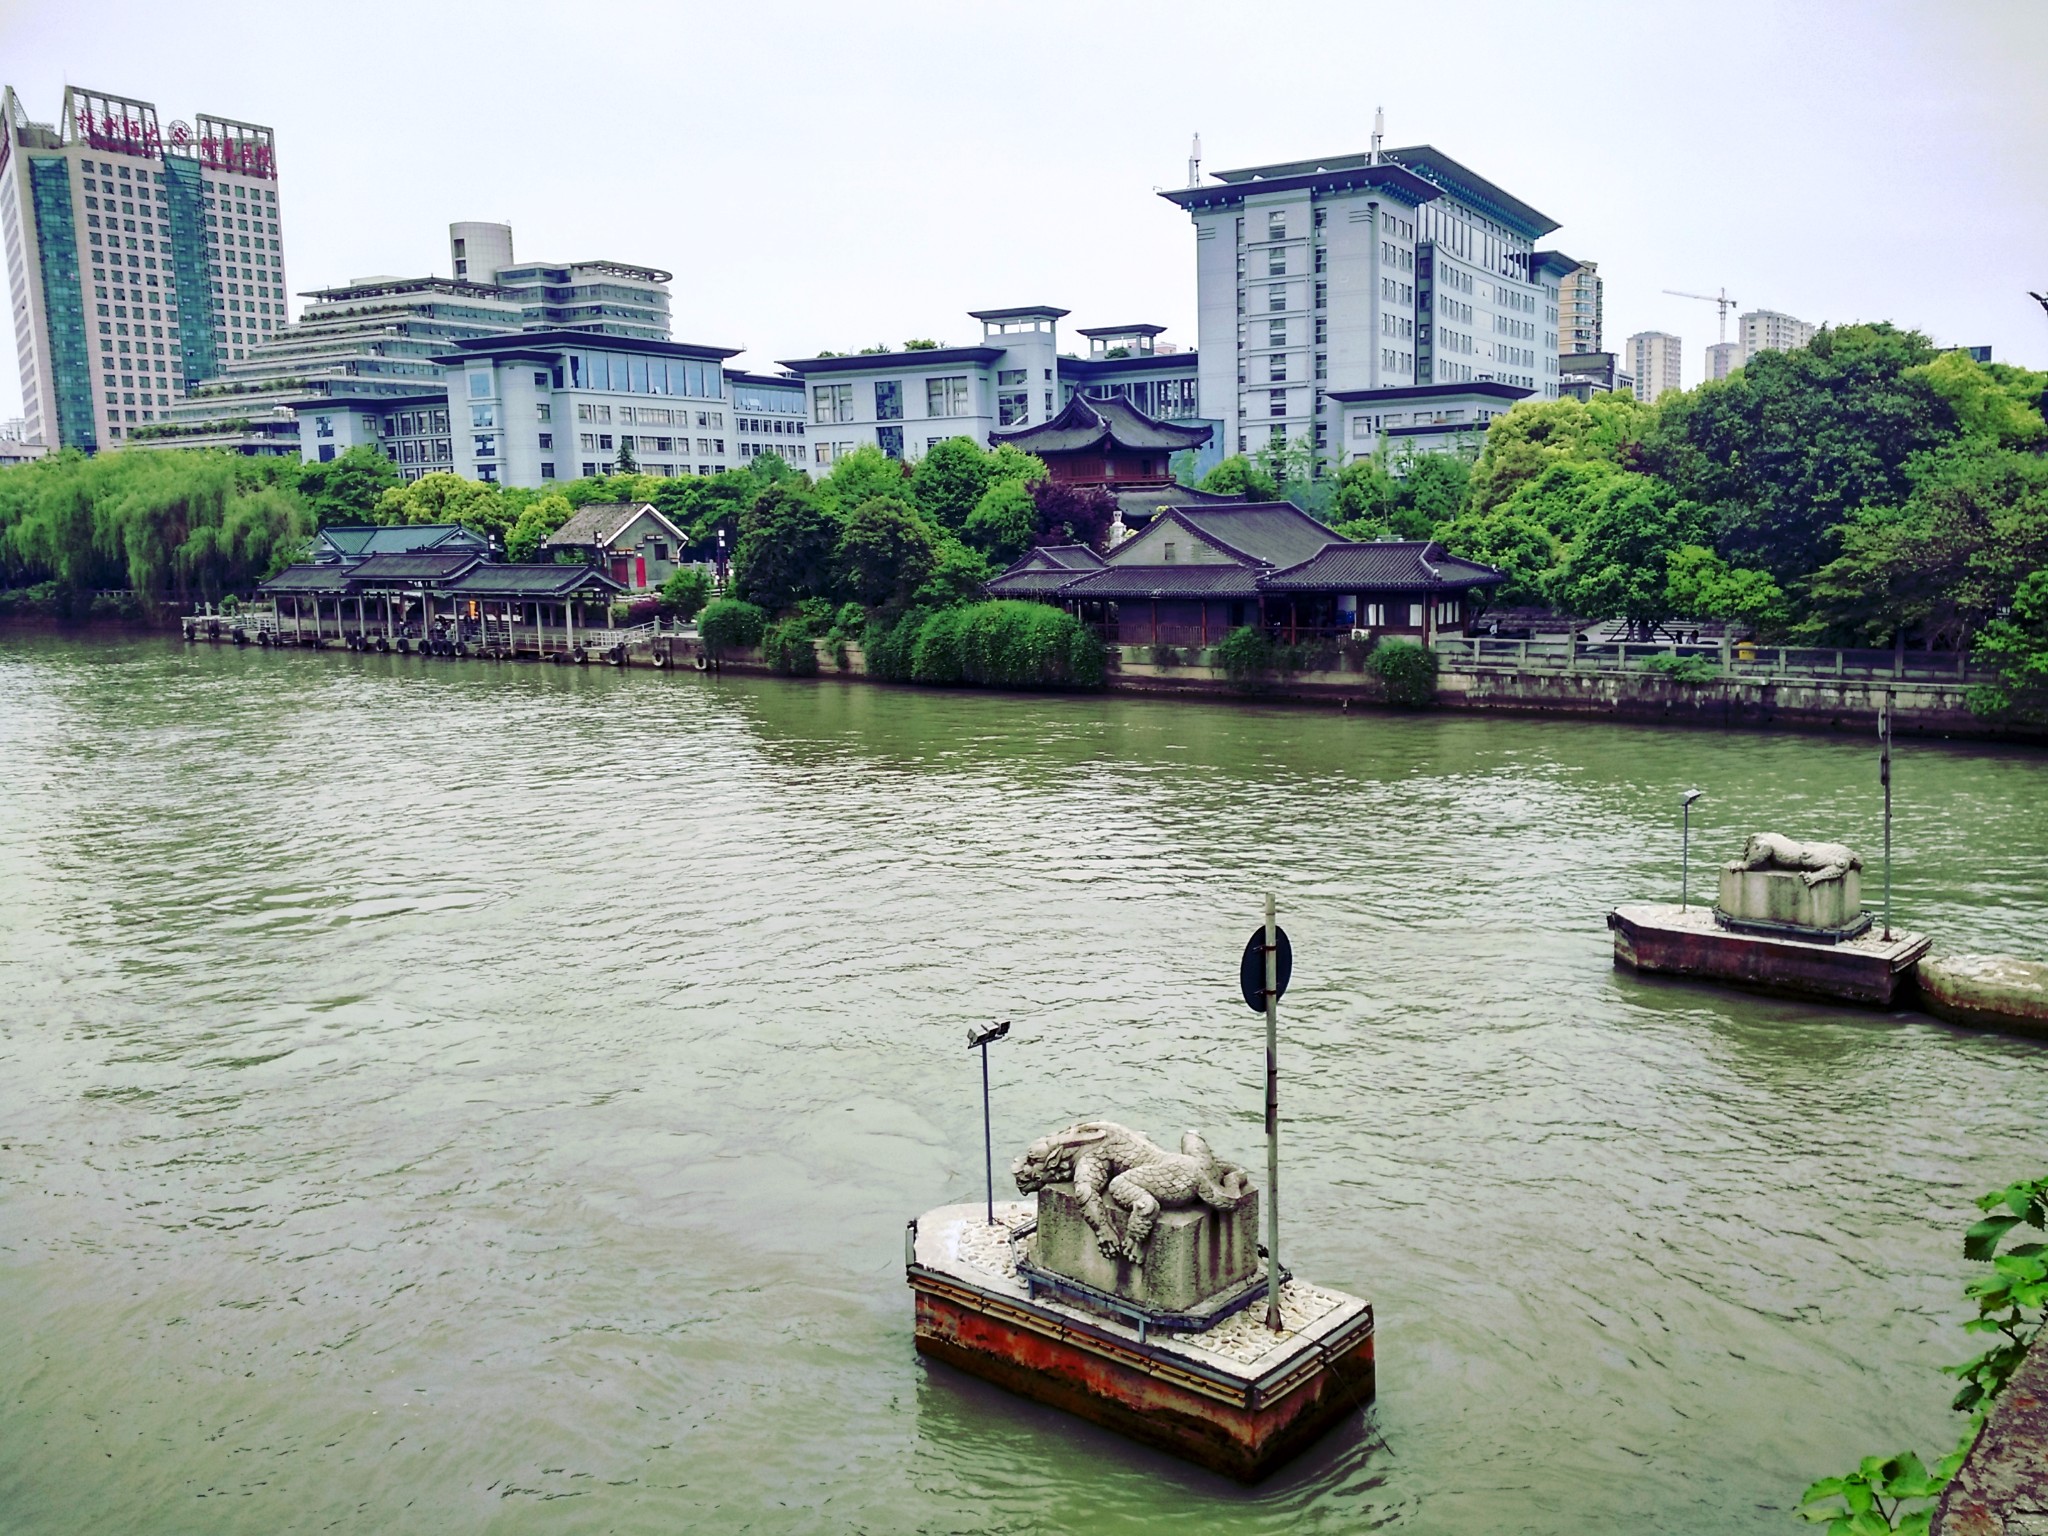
{"x": 983, "y": 1038}
{"x": 1884, "y": 774}
{"x": 1685, "y": 849}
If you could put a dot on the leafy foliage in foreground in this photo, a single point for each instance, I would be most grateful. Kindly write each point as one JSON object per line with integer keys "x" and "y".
{"x": 2012, "y": 1302}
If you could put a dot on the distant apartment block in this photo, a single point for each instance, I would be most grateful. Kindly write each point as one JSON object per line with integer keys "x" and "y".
{"x": 1342, "y": 286}
{"x": 1723, "y": 358}
{"x": 1581, "y": 310}
{"x": 1765, "y": 330}
{"x": 1582, "y": 375}
{"x": 1654, "y": 361}
{"x": 140, "y": 258}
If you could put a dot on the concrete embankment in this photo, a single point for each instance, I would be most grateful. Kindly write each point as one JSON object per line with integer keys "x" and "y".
{"x": 2001, "y": 1488}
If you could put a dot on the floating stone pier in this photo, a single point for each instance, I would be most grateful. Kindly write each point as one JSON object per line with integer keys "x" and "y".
{"x": 1661, "y": 939}
{"x": 1234, "y": 1396}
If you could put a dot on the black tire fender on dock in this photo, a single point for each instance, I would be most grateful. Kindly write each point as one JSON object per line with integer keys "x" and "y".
{"x": 700, "y": 662}
{"x": 462, "y": 649}
{"x": 660, "y": 660}
{"x": 582, "y": 657}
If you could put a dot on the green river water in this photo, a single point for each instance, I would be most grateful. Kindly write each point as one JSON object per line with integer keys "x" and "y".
{"x": 443, "y": 1097}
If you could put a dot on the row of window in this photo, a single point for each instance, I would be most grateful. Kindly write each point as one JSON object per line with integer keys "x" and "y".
{"x": 769, "y": 425}
{"x": 833, "y": 403}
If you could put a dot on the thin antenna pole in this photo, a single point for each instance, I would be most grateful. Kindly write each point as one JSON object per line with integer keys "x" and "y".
{"x": 1884, "y": 773}
{"x": 1272, "y": 1122}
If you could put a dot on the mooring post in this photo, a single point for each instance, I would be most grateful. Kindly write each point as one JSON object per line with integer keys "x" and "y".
{"x": 1272, "y": 1122}
{"x": 1884, "y": 774}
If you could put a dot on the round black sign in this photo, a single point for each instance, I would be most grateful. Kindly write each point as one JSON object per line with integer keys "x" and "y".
{"x": 1251, "y": 970}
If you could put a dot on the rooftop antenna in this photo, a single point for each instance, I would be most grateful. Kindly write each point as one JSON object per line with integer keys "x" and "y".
{"x": 1379, "y": 131}
{"x": 1195, "y": 163}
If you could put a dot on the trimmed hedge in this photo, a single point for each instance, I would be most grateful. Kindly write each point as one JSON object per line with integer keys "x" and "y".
{"x": 1003, "y": 644}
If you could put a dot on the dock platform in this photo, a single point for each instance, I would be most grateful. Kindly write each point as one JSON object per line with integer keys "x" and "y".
{"x": 1663, "y": 939}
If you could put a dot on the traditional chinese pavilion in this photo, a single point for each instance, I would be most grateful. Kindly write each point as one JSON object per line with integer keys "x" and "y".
{"x": 1108, "y": 443}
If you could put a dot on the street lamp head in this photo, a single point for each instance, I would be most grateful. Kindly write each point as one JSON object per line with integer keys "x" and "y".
{"x": 1692, "y": 795}
{"x": 988, "y": 1036}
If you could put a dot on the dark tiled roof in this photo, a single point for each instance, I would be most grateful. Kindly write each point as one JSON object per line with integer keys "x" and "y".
{"x": 599, "y": 523}
{"x": 355, "y": 541}
{"x": 1074, "y": 557}
{"x": 1142, "y": 581}
{"x": 530, "y": 581}
{"x": 1389, "y": 566}
{"x": 1086, "y": 423}
{"x": 308, "y": 581}
{"x": 1274, "y": 533}
{"x": 1045, "y": 569}
{"x": 1139, "y": 505}
{"x": 1039, "y": 581}
{"x": 427, "y": 566}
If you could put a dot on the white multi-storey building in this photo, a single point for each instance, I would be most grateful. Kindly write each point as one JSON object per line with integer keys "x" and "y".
{"x": 1371, "y": 277}
{"x": 1765, "y": 330}
{"x": 1654, "y": 359}
{"x": 1723, "y": 358}
{"x": 139, "y": 258}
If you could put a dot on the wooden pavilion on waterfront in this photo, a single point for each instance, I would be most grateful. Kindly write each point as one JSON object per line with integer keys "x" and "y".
{"x": 453, "y": 600}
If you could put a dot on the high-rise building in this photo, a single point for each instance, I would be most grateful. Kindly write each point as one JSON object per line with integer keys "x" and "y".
{"x": 1765, "y": 330}
{"x": 140, "y": 259}
{"x": 609, "y": 298}
{"x": 1723, "y": 358}
{"x": 1329, "y": 289}
{"x": 1654, "y": 361}
{"x": 1581, "y": 311}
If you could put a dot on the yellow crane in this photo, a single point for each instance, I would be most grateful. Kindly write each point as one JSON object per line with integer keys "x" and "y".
{"x": 1720, "y": 299}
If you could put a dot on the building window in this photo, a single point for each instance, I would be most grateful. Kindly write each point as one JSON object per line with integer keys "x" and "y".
{"x": 547, "y": 439}
{"x": 829, "y": 403}
{"x": 479, "y": 386}
{"x": 1010, "y": 377}
{"x": 1276, "y": 224}
{"x": 1276, "y": 296}
{"x": 547, "y": 469}
{"x": 1276, "y": 261}
{"x": 543, "y": 412}
{"x": 946, "y": 397}
{"x": 1013, "y": 407}
{"x": 482, "y": 416}
{"x": 888, "y": 401}
{"x": 1276, "y": 368}
{"x": 1276, "y": 402}
{"x": 890, "y": 441}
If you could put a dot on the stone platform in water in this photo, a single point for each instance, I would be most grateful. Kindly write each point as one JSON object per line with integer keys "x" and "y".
{"x": 1657, "y": 937}
{"x": 1989, "y": 991}
{"x": 1237, "y": 1397}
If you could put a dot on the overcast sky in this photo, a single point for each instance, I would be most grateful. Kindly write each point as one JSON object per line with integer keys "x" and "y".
{"x": 832, "y": 176}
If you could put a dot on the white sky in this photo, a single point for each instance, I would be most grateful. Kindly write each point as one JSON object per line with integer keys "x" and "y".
{"x": 832, "y": 176}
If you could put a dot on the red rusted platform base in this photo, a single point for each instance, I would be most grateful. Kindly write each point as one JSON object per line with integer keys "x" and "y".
{"x": 1237, "y": 1399}
{"x": 1655, "y": 937}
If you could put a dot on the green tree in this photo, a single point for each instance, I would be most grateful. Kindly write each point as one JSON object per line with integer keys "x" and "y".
{"x": 787, "y": 543}
{"x": 886, "y": 552}
{"x": 958, "y": 574}
{"x": 536, "y": 522}
{"x": 625, "y": 463}
{"x": 1522, "y": 549}
{"x": 949, "y": 481}
{"x": 860, "y": 477}
{"x": 346, "y": 489}
{"x": 1699, "y": 584}
{"x": 1524, "y": 442}
{"x": 441, "y": 497}
{"x": 1004, "y": 522}
{"x": 1618, "y": 565}
{"x": 1972, "y": 527}
{"x": 1783, "y": 452}
{"x": 2017, "y": 645}
{"x": 1239, "y": 476}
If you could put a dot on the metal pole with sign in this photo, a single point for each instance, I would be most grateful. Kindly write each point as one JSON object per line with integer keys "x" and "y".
{"x": 1884, "y": 774}
{"x": 1262, "y": 975}
{"x": 984, "y": 1038}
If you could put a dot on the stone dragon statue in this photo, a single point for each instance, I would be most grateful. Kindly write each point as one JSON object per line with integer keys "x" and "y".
{"x": 1139, "y": 1177}
{"x": 1815, "y": 862}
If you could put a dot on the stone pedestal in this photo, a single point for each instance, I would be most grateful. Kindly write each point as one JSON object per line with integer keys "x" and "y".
{"x": 1192, "y": 1255}
{"x": 1780, "y": 899}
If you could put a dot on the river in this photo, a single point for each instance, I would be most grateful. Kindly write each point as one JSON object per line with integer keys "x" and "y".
{"x": 444, "y": 1097}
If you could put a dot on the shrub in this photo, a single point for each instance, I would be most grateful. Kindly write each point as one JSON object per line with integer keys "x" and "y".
{"x": 888, "y": 645}
{"x": 621, "y": 614}
{"x": 1355, "y": 650}
{"x": 935, "y": 655}
{"x": 685, "y": 593}
{"x": 787, "y": 649}
{"x": 1009, "y": 644}
{"x": 1247, "y": 658}
{"x": 815, "y": 614}
{"x": 1407, "y": 671}
{"x": 731, "y": 625}
{"x": 1683, "y": 669}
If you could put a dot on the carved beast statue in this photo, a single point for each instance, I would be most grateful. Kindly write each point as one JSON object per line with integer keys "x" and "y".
{"x": 1138, "y": 1175}
{"x": 1814, "y": 861}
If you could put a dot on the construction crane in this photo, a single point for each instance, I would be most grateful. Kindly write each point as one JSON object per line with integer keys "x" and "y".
{"x": 1721, "y": 299}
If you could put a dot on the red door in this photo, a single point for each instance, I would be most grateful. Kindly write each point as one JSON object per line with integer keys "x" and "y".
{"x": 640, "y": 573}
{"x": 619, "y": 569}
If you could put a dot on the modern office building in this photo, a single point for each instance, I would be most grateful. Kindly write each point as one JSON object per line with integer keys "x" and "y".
{"x": 377, "y": 339}
{"x": 1582, "y": 375}
{"x": 1765, "y": 330}
{"x": 1654, "y": 358}
{"x": 1723, "y": 358}
{"x": 1581, "y": 306}
{"x": 140, "y": 258}
{"x": 1370, "y": 274}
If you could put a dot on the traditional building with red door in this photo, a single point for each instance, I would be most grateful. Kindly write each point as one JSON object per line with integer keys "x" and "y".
{"x": 630, "y": 541}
